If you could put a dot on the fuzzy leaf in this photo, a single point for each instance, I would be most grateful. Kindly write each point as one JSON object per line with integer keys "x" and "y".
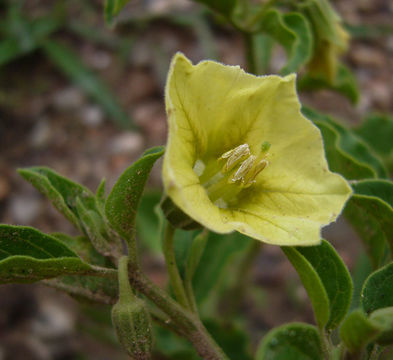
{"x": 357, "y": 331}
{"x": 346, "y": 153}
{"x": 27, "y": 255}
{"x": 370, "y": 211}
{"x": 62, "y": 192}
{"x": 323, "y": 273}
{"x": 294, "y": 341}
{"x": 377, "y": 290}
{"x": 122, "y": 203}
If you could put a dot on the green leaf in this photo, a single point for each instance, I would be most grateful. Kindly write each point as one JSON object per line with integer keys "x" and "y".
{"x": 219, "y": 251}
{"x": 326, "y": 279}
{"x": 122, "y": 203}
{"x": 62, "y": 192}
{"x": 377, "y": 290}
{"x": 345, "y": 83}
{"x": 195, "y": 254}
{"x": 346, "y": 152}
{"x": 78, "y": 204}
{"x": 86, "y": 288}
{"x": 377, "y": 132}
{"x": 357, "y": 331}
{"x": 384, "y": 318}
{"x": 69, "y": 63}
{"x": 112, "y": 8}
{"x": 95, "y": 228}
{"x": 225, "y": 7}
{"x": 293, "y": 32}
{"x": 82, "y": 246}
{"x": 27, "y": 255}
{"x": 312, "y": 283}
{"x": 294, "y": 341}
{"x": 370, "y": 212}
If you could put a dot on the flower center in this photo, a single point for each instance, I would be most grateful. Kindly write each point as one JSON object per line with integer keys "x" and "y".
{"x": 238, "y": 169}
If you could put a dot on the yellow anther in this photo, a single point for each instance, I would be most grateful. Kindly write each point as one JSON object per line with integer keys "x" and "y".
{"x": 250, "y": 176}
{"x": 235, "y": 156}
{"x": 244, "y": 168}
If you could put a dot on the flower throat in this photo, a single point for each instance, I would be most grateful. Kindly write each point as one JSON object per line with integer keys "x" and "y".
{"x": 239, "y": 169}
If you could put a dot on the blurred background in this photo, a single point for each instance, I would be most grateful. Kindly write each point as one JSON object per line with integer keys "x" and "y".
{"x": 86, "y": 100}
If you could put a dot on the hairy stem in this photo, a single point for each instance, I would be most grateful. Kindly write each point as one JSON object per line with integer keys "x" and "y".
{"x": 188, "y": 324}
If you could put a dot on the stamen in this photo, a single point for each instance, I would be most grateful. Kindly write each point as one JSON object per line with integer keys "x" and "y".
{"x": 244, "y": 168}
{"x": 249, "y": 178}
{"x": 235, "y": 156}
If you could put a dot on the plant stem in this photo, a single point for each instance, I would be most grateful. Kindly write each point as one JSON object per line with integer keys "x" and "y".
{"x": 133, "y": 250}
{"x": 250, "y": 52}
{"x": 325, "y": 344}
{"x": 174, "y": 276}
{"x": 188, "y": 324}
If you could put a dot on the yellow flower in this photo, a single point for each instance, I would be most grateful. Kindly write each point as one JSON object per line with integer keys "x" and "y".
{"x": 240, "y": 155}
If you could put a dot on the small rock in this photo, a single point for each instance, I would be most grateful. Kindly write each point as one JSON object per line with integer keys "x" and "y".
{"x": 127, "y": 143}
{"x": 54, "y": 321}
{"x": 41, "y": 134}
{"x": 69, "y": 98}
{"x": 24, "y": 209}
{"x": 92, "y": 115}
{"x": 368, "y": 56}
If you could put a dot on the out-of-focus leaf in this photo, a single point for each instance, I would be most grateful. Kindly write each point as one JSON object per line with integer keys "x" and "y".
{"x": 357, "y": 331}
{"x": 27, "y": 255}
{"x": 377, "y": 132}
{"x": 112, "y": 8}
{"x": 293, "y": 32}
{"x": 147, "y": 221}
{"x": 294, "y": 341}
{"x": 345, "y": 84}
{"x": 28, "y": 38}
{"x": 231, "y": 339}
{"x": 346, "y": 152}
{"x": 384, "y": 318}
{"x": 220, "y": 249}
{"x": 70, "y": 64}
{"x": 122, "y": 203}
{"x": 377, "y": 291}
{"x": 225, "y": 7}
{"x": 370, "y": 211}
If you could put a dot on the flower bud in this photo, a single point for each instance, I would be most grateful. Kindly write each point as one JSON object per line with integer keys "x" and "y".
{"x": 131, "y": 319}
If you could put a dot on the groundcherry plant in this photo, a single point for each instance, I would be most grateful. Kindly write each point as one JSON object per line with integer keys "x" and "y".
{"x": 244, "y": 164}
